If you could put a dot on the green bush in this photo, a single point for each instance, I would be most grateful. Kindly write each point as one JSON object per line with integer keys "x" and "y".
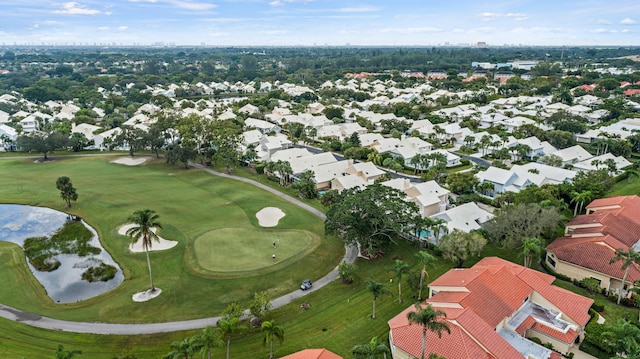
{"x": 102, "y": 273}
{"x": 259, "y": 168}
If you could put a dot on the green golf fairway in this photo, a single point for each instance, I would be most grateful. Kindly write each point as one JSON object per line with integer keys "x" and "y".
{"x": 241, "y": 249}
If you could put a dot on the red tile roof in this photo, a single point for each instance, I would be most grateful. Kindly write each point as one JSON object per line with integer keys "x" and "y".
{"x": 488, "y": 292}
{"x": 525, "y": 325}
{"x": 631, "y": 92}
{"x": 593, "y": 248}
{"x": 313, "y": 354}
{"x": 568, "y": 337}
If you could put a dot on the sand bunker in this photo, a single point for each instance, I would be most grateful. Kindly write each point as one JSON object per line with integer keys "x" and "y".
{"x": 269, "y": 216}
{"x": 130, "y": 161}
{"x": 146, "y": 295}
{"x": 155, "y": 246}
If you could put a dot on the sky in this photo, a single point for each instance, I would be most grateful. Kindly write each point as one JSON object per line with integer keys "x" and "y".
{"x": 320, "y": 22}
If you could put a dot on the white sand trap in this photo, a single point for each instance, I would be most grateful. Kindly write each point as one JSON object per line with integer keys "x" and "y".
{"x": 130, "y": 161}
{"x": 155, "y": 246}
{"x": 146, "y": 295}
{"x": 269, "y": 216}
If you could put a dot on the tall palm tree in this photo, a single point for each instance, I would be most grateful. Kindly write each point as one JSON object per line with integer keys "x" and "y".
{"x": 372, "y": 350}
{"x": 580, "y": 198}
{"x": 399, "y": 268}
{"x": 229, "y": 328}
{"x": 208, "y": 339}
{"x": 181, "y": 349}
{"x": 144, "y": 221}
{"x": 271, "y": 332}
{"x": 429, "y": 319}
{"x": 377, "y": 289}
{"x": 531, "y": 248}
{"x": 627, "y": 258}
{"x": 426, "y": 259}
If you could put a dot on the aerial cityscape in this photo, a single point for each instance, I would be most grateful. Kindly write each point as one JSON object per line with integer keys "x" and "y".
{"x": 319, "y": 179}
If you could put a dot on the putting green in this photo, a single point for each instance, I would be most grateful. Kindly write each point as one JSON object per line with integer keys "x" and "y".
{"x": 245, "y": 250}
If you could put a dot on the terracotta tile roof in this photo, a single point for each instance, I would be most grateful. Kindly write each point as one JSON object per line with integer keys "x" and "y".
{"x": 525, "y": 325}
{"x": 572, "y": 305}
{"x": 583, "y": 219}
{"x": 313, "y": 354}
{"x": 496, "y": 289}
{"x": 593, "y": 253}
{"x": 555, "y": 355}
{"x": 569, "y": 337}
{"x": 455, "y": 345}
{"x": 622, "y": 201}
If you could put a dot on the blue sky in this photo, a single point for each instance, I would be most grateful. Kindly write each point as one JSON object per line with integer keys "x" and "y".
{"x": 320, "y": 22}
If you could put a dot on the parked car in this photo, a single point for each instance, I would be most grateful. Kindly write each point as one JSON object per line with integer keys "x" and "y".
{"x": 306, "y": 284}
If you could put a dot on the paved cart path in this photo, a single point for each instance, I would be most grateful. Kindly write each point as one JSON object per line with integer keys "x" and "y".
{"x": 39, "y": 321}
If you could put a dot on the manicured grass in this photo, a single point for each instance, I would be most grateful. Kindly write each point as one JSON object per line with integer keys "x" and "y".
{"x": 242, "y": 250}
{"x": 190, "y": 203}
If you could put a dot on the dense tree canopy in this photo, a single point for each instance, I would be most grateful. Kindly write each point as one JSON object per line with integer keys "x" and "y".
{"x": 372, "y": 217}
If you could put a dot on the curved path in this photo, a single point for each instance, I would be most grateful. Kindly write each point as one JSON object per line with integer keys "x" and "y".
{"x": 36, "y": 320}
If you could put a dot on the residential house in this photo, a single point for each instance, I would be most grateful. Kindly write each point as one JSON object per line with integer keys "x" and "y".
{"x": 313, "y": 354}
{"x": 600, "y": 162}
{"x": 591, "y": 239}
{"x": 30, "y": 124}
{"x": 365, "y": 170}
{"x": 572, "y": 155}
{"x": 492, "y": 310}
{"x": 519, "y": 177}
{"x": 4, "y": 117}
{"x": 466, "y": 218}
{"x": 249, "y": 109}
{"x": 103, "y": 140}
{"x": 262, "y": 125}
{"x": 348, "y": 182}
{"x": 85, "y": 129}
{"x": 429, "y": 196}
{"x": 8, "y": 137}
{"x": 324, "y": 174}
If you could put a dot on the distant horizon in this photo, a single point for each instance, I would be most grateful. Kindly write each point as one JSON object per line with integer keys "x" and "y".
{"x": 308, "y": 23}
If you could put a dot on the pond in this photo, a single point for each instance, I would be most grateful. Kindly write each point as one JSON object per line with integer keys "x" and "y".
{"x": 64, "y": 284}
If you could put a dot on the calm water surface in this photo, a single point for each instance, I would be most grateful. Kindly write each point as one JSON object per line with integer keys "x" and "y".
{"x": 65, "y": 284}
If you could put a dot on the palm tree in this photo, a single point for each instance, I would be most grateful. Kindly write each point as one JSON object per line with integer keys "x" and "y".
{"x": 531, "y": 247}
{"x": 66, "y": 354}
{"x": 67, "y": 191}
{"x": 371, "y": 350}
{"x": 399, "y": 268}
{"x": 580, "y": 198}
{"x": 271, "y": 332}
{"x": 627, "y": 258}
{"x": 210, "y": 338}
{"x": 425, "y": 259}
{"x": 229, "y": 328}
{"x": 377, "y": 289}
{"x": 429, "y": 319}
{"x": 181, "y": 349}
{"x": 144, "y": 221}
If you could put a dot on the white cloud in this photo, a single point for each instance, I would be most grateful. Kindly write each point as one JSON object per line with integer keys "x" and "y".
{"x": 276, "y": 3}
{"x": 274, "y": 32}
{"x": 628, "y": 21}
{"x": 103, "y": 28}
{"x": 604, "y": 22}
{"x": 359, "y": 9}
{"x": 517, "y": 16}
{"x": 604, "y": 31}
{"x": 458, "y": 31}
{"x": 74, "y": 8}
{"x": 192, "y": 5}
{"x": 626, "y": 30}
{"x": 489, "y": 16}
{"x": 122, "y": 28}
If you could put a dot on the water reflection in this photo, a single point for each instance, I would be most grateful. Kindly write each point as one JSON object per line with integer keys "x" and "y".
{"x": 65, "y": 284}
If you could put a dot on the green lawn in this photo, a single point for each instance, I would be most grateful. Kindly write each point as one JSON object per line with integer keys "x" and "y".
{"x": 192, "y": 204}
{"x": 196, "y": 208}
